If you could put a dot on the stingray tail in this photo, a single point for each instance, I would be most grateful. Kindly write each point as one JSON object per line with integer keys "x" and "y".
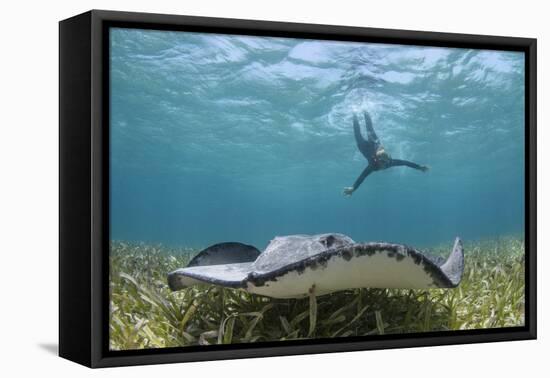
{"x": 454, "y": 266}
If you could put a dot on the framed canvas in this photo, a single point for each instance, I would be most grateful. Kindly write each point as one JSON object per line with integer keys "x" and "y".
{"x": 234, "y": 188}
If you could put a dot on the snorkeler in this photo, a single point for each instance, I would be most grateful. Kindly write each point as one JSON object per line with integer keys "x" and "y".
{"x": 374, "y": 152}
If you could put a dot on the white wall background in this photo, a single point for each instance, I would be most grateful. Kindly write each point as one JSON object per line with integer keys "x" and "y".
{"x": 29, "y": 189}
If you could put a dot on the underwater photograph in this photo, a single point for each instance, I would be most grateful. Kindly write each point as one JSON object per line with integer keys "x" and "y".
{"x": 266, "y": 189}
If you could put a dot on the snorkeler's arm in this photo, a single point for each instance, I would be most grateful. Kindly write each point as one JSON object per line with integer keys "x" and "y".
{"x": 357, "y": 131}
{"x": 367, "y": 171}
{"x": 410, "y": 164}
{"x": 370, "y": 130}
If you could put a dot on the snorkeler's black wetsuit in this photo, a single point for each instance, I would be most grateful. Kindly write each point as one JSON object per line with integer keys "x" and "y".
{"x": 369, "y": 148}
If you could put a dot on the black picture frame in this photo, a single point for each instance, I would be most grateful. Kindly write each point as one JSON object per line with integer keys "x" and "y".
{"x": 84, "y": 187}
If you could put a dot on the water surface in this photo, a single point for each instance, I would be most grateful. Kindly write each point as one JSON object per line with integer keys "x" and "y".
{"x": 237, "y": 138}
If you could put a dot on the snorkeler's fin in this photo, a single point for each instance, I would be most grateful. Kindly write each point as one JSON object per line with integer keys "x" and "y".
{"x": 454, "y": 266}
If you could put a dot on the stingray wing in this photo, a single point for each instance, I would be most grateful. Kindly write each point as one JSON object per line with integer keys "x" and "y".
{"x": 453, "y": 268}
{"x": 224, "y": 264}
{"x": 370, "y": 265}
{"x": 228, "y": 275}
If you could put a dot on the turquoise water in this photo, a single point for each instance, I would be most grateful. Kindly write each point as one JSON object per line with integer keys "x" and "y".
{"x": 237, "y": 138}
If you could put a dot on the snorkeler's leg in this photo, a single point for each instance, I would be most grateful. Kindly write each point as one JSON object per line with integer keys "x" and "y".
{"x": 371, "y": 134}
{"x": 367, "y": 148}
{"x": 367, "y": 171}
{"x": 357, "y": 132}
{"x": 410, "y": 164}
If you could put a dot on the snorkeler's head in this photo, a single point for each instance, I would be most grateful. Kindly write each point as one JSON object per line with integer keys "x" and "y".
{"x": 382, "y": 155}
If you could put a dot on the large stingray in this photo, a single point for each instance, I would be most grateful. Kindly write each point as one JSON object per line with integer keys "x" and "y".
{"x": 295, "y": 266}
